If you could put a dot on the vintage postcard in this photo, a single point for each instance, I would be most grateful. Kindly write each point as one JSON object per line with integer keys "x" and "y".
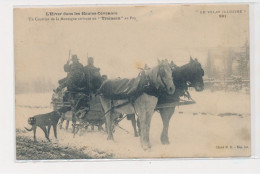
{"x": 120, "y": 82}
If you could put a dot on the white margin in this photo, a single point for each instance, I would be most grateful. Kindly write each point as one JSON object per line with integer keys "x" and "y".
{"x": 7, "y": 130}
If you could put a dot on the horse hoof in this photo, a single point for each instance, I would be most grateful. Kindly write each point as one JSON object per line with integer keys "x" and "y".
{"x": 110, "y": 138}
{"x": 146, "y": 148}
{"x": 136, "y": 135}
{"x": 100, "y": 128}
{"x": 165, "y": 142}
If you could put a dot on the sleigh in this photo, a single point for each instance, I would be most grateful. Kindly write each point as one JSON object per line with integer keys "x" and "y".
{"x": 92, "y": 115}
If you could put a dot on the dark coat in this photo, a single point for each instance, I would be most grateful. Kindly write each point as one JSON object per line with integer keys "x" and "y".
{"x": 76, "y": 76}
{"x": 93, "y": 77}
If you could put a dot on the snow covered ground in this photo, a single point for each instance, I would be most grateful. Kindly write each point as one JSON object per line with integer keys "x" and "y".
{"x": 218, "y": 125}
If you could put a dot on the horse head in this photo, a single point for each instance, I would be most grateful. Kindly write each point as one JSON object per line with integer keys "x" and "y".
{"x": 195, "y": 75}
{"x": 163, "y": 76}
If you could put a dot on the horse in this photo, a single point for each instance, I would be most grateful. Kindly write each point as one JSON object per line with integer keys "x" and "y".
{"x": 159, "y": 77}
{"x": 188, "y": 75}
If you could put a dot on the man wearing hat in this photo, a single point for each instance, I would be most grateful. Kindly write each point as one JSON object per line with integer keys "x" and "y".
{"x": 93, "y": 74}
{"x": 71, "y": 69}
{"x": 75, "y": 78}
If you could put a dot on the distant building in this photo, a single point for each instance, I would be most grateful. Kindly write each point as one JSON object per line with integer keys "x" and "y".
{"x": 227, "y": 62}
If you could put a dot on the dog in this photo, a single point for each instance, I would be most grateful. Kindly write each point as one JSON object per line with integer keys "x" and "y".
{"x": 43, "y": 120}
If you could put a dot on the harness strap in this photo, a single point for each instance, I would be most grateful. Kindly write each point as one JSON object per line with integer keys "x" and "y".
{"x": 149, "y": 83}
{"x": 114, "y": 107}
{"x": 122, "y": 128}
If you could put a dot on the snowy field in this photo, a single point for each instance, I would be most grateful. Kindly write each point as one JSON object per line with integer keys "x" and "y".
{"x": 218, "y": 125}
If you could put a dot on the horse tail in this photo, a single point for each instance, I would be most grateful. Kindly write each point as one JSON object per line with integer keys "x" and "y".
{"x": 28, "y": 129}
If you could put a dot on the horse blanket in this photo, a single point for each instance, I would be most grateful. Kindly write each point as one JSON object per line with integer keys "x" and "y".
{"x": 117, "y": 89}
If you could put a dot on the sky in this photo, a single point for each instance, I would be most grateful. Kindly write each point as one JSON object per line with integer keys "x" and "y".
{"x": 119, "y": 47}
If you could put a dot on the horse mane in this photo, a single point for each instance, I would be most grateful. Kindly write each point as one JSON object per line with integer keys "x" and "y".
{"x": 153, "y": 73}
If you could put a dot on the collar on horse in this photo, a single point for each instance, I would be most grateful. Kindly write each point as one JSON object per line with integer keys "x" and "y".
{"x": 148, "y": 86}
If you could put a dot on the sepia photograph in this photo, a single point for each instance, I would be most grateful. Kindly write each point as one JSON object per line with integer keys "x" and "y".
{"x": 132, "y": 82}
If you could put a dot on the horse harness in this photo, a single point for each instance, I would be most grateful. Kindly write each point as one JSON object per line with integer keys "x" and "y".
{"x": 146, "y": 86}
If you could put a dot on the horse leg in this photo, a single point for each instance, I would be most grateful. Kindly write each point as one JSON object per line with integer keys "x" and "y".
{"x": 166, "y": 114}
{"x": 134, "y": 126}
{"x": 67, "y": 124}
{"x": 109, "y": 126}
{"x": 61, "y": 120}
{"x": 100, "y": 128}
{"x": 138, "y": 125}
{"x": 106, "y": 103}
{"x": 149, "y": 115}
{"x": 149, "y": 111}
{"x": 105, "y": 126}
{"x": 142, "y": 118}
{"x": 132, "y": 118}
{"x": 73, "y": 119}
{"x": 144, "y": 107}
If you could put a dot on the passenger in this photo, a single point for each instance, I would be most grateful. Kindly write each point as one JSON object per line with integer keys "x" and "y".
{"x": 75, "y": 77}
{"x": 104, "y": 78}
{"x": 92, "y": 76}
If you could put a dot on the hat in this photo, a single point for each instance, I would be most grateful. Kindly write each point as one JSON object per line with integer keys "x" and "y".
{"x": 74, "y": 57}
{"x": 91, "y": 60}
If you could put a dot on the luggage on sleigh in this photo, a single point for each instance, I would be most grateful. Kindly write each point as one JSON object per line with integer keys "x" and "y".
{"x": 58, "y": 100}
{"x": 85, "y": 110}
{"x": 93, "y": 114}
